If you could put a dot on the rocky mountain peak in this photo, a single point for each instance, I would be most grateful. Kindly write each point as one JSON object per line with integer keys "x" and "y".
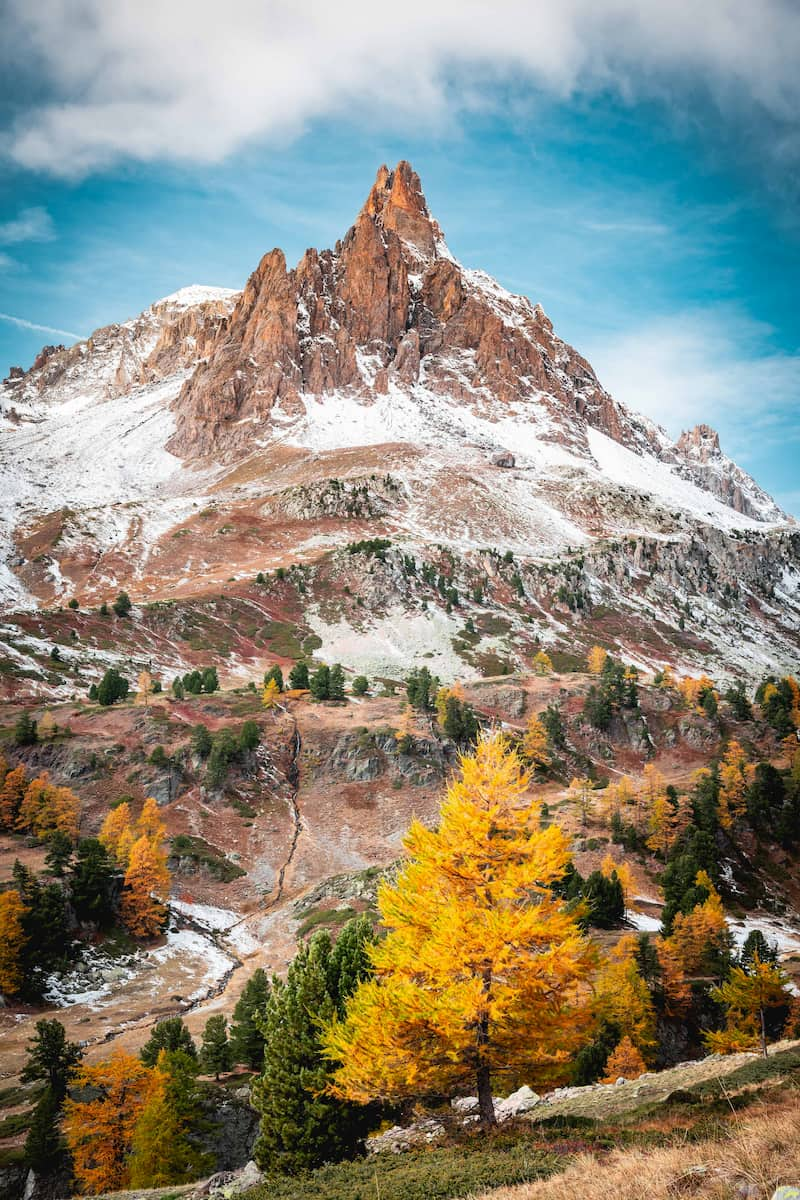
{"x": 398, "y": 203}
{"x": 701, "y": 442}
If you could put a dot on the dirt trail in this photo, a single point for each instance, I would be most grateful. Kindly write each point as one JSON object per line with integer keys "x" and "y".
{"x": 293, "y": 777}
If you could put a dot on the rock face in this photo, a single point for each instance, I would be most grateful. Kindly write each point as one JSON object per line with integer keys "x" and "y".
{"x": 388, "y": 306}
{"x": 700, "y": 458}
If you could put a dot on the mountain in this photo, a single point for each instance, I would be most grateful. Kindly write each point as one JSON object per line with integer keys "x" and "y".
{"x": 383, "y": 390}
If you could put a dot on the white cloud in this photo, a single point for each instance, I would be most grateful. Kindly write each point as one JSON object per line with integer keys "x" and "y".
{"x": 21, "y": 323}
{"x": 31, "y": 225}
{"x": 195, "y": 79}
{"x": 709, "y": 365}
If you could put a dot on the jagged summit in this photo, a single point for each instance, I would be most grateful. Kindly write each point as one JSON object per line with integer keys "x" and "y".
{"x": 398, "y": 203}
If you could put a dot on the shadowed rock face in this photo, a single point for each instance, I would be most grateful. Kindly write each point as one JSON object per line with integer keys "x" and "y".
{"x": 388, "y": 306}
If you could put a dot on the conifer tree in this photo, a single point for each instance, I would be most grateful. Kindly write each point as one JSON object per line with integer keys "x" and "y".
{"x": 25, "y": 733}
{"x": 162, "y": 1150}
{"x": 748, "y": 997}
{"x": 275, "y": 673}
{"x": 12, "y": 941}
{"x": 99, "y": 1129}
{"x": 320, "y": 683}
{"x": 44, "y": 1150}
{"x": 623, "y": 998}
{"x": 625, "y": 1062}
{"x": 51, "y": 1058}
{"x": 15, "y": 785}
{"x": 215, "y": 1051}
{"x": 144, "y": 890}
{"x": 483, "y": 968}
{"x": 534, "y": 742}
{"x": 46, "y": 809}
{"x": 246, "y": 1038}
{"x": 171, "y": 1034}
{"x": 93, "y": 882}
{"x": 542, "y": 663}
{"x": 336, "y": 682}
{"x": 736, "y": 776}
{"x": 596, "y": 660}
{"x": 149, "y": 824}
{"x": 298, "y": 676}
{"x": 270, "y": 694}
{"x": 116, "y": 833}
{"x": 301, "y": 1125}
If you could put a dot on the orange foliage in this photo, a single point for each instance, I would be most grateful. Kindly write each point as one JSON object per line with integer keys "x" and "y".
{"x": 99, "y": 1131}
{"x": 700, "y": 935}
{"x": 12, "y": 941}
{"x": 534, "y": 743}
{"x": 46, "y": 808}
{"x": 596, "y": 660}
{"x": 116, "y": 833}
{"x": 735, "y": 776}
{"x": 624, "y": 1063}
{"x": 145, "y": 888}
{"x": 11, "y": 793}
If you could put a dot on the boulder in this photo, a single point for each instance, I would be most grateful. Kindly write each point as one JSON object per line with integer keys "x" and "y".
{"x": 503, "y": 458}
{"x": 517, "y": 1103}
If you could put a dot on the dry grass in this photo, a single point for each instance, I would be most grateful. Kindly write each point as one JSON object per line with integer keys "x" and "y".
{"x": 761, "y": 1151}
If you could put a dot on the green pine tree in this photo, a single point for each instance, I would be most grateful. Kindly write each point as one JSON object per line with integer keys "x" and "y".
{"x": 298, "y": 676}
{"x": 301, "y": 1126}
{"x": 215, "y": 1055}
{"x": 336, "y": 682}
{"x": 246, "y": 1038}
{"x": 44, "y": 1150}
{"x": 171, "y": 1034}
{"x": 51, "y": 1058}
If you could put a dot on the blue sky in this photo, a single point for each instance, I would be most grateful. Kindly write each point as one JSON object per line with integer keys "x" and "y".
{"x": 635, "y": 177}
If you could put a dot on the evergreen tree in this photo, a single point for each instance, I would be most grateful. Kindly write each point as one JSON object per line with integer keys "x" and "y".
{"x": 25, "y": 733}
{"x": 59, "y": 853}
{"x": 112, "y": 687}
{"x": 756, "y": 948}
{"x": 421, "y": 688}
{"x": 737, "y": 697}
{"x": 360, "y": 685}
{"x": 302, "y": 1126}
{"x": 246, "y": 1038}
{"x": 298, "y": 676}
{"x": 554, "y": 724}
{"x": 163, "y": 1148}
{"x": 94, "y": 883}
{"x": 200, "y": 741}
{"x": 170, "y": 1034}
{"x": 336, "y": 682}
{"x": 249, "y": 736}
{"x": 215, "y": 1054}
{"x": 44, "y": 1150}
{"x": 210, "y": 682}
{"x": 51, "y": 1058}
{"x": 178, "y": 690}
{"x": 122, "y": 605}
{"x": 320, "y": 683}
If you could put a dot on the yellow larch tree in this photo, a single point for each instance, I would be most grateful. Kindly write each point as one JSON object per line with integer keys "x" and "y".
{"x": 675, "y": 988}
{"x": 99, "y": 1130}
{"x": 625, "y": 1062}
{"x": 270, "y": 694}
{"x": 145, "y": 889}
{"x": 47, "y": 809}
{"x": 12, "y": 941}
{"x": 622, "y": 996}
{"x": 14, "y": 787}
{"x": 748, "y": 996}
{"x": 661, "y": 826}
{"x": 542, "y": 663}
{"x": 46, "y": 727}
{"x": 735, "y": 777}
{"x": 701, "y": 937}
{"x": 534, "y": 742}
{"x": 149, "y": 823}
{"x": 116, "y": 833}
{"x": 596, "y": 660}
{"x": 666, "y": 677}
{"x": 483, "y": 972}
{"x": 581, "y": 791}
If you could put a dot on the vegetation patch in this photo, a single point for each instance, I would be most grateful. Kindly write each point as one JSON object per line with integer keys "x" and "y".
{"x": 205, "y": 858}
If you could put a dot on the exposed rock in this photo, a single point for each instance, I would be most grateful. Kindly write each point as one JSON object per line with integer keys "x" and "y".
{"x": 504, "y": 458}
{"x": 396, "y": 1139}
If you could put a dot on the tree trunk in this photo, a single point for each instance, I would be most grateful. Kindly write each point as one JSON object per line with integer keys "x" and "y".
{"x": 763, "y": 1033}
{"x": 485, "y": 1101}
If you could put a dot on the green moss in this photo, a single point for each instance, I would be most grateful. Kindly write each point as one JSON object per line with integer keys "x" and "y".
{"x": 317, "y": 918}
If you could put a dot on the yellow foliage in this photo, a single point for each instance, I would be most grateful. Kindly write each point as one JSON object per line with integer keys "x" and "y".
{"x": 699, "y": 936}
{"x": 12, "y": 941}
{"x": 625, "y": 1062}
{"x": 270, "y": 694}
{"x": 661, "y": 826}
{"x": 99, "y": 1131}
{"x": 676, "y": 990}
{"x": 622, "y": 996}
{"x": 116, "y": 833}
{"x": 150, "y": 824}
{"x": 146, "y": 886}
{"x": 691, "y": 689}
{"x": 144, "y": 686}
{"x": 46, "y": 726}
{"x": 747, "y": 997}
{"x": 667, "y": 679}
{"x": 14, "y": 786}
{"x": 735, "y": 776}
{"x": 534, "y": 742}
{"x": 542, "y": 663}
{"x": 596, "y": 660}
{"x": 483, "y": 970}
{"x": 46, "y": 808}
{"x": 624, "y": 874}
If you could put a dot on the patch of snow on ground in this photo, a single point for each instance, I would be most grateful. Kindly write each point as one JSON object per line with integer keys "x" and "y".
{"x": 642, "y": 921}
{"x": 189, "y": 948}
{"x": 773, "y": 929}
{"x": 205, "y": 914}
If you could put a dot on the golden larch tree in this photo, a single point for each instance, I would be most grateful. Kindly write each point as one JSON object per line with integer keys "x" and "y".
{"x": 675, "y": 988}
{"x": 701, "y": 936}
{"x": 116, "y": 833}
{"x": 542, "y": 663}
{"x": 625, "y": 1062}
{"x": 748, "y": 996}
{"x": 99, "y": 1131}
{"x": 46, "y": 726}
{"x": 596, "y": 660}
{"x": 581, "y": 791}
{"x": 145, "y": 889}
{"x": 661, "y": 826}
{"x": 483, "y": 971}
{"x": 14, "y": 787}
{"x": 149, "y": 823}
{"x": 623, "y": 997}
{"x": 735, "y": 777}
{"x": 624, "y": 874}
{"x": 270, "y": 694}
{"x": 144, "y": 688}
{"x": 12, "y": 941}
{"x": 47, "y": 809}
{"x": 534, "y": 742}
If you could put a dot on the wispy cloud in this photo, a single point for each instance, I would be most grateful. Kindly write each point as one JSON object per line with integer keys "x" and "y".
{"x": 636, "y": 228}
{"x": 31, "y": 225}
{"x": 110, "y": 85}
{"x": 21, "y": 323}
{"x": 714, "y": 365}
